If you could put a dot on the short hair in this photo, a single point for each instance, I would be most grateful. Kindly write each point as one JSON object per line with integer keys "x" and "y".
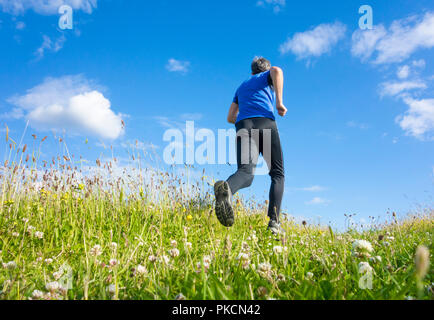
{"x": 260, "y": 64}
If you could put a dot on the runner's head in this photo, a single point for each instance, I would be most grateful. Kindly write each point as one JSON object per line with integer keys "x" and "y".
{"x": 260, "y": 64}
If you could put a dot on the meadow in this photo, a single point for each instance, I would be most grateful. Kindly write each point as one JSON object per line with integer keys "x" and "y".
{"x": 108, "y": 231}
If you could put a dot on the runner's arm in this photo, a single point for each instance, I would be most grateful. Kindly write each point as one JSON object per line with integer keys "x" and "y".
{"x": 277, "y": 76}
{"x": 233, "y": 113}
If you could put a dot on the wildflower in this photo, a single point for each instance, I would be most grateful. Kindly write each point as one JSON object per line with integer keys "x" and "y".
{"x": 189, "y": 217}
{"x": 96, "y": 250}
{"x": 309, "y": 275}
{"x": 281, "y": 278}
{"x": 173, "y": 243}
{"x": 15, "y": 234}
{"x": 245, "y": 246}
{"x": 188, "y": 245}
{"x": 245, "y": 260}
{"x": 207, "y": 260}
{"x": 113, "y": 246}
{"x": 243, "y": 256}
{"x": 180, "y": 297}
{"x": 364, "y": 267}
{"x": 262, "y": 291}
{"x": 36, "y": 294}
{"x": 165, "y": 259}
{"x": 362, "y": 245}
{"x": 30, "y": 229}
{"x": 113, "y": 262}
{"x": 174, "y": 252}
{"x": 277, "y": 249}
{"x": 141, "y": 269}
{"x": 152, "y": 258}
{"x": 264, "y": 269}
{"x": 252, "y": 238}
{"x": 376, "y": 259}
{"x": 48, "y": 261}
{"x": 422, "y": 262}
{"x": 11, "y": 265}
{"x": 52, "y": 286}
{"x": 111, "y": 289}
{"x": 39, "y": 234}
{"x": 57, "y": 275}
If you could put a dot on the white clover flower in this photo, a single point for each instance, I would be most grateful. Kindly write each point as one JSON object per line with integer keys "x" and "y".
{"x": 111, "y": 289}
{"x": 376, "y": 259}
{"x": 207, "y": 260}
{"x": 364, "y": 267}
{"x": 362, "y": 245}
{"x": 278, "y": 249}
{"x": 36, "y": 294}
{"x": 141, "y": 269}
{"x": 245, "y": 246}
{"x": 152, "y": 258}
{"x": 57, "y": 275}
{"x": 39, "y": 234}
{"x": 173, "y": 243}
{"x": 264, "y": 267}
{"x": 309, "y": 275}
{"x": 48, "y": 261}
{"x": 180, "y": 297}
{"x": 15, "y": 234}
{"x": 243, "y": 256}
{"x": 30, "y": 229}
{"x": 174, "y": 252}
{"x": 165, "y": 259}
{"x": 113, "y": 245}
{"x": 52, "y": 286}
{"x": 96, "y": 250}
{"x": 113, "y": 262}
{"x": 188, "y": 245}
{"x": 25, "y": 220}
{"x": 11, "y": 265}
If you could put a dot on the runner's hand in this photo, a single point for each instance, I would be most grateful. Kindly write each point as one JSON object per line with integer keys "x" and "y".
{"x": 281, "y": 109}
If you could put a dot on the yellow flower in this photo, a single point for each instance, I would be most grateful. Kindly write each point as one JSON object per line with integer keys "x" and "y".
{"x": 189, "y": 217}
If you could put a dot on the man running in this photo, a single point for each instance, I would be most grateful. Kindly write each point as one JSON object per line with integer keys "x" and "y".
{"x": 252, "y": 112}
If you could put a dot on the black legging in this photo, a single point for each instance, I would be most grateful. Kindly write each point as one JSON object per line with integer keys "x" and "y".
{"x": 272, "y": 152}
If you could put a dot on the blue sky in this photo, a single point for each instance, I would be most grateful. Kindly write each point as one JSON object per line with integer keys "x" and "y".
{"x": 358, "y": 137}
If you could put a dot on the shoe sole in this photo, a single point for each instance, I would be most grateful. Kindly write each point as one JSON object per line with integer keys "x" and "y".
{"x": 223, "y": 207}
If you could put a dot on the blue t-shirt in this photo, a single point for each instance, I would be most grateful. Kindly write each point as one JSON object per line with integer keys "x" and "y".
{"x": 256, "y": 98}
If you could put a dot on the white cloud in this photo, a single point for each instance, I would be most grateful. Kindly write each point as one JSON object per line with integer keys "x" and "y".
{"x": 354, "y": 124}
{"x": 174, "y": 65}
{"x": 69, "y": 103}
{"x": 315, "y": 42}
{"x": 396, "y": 88}
{"x": 313, "y": 189}
{"x": 46, "y": 7}
{"x": 20, "y": 25}
{"x": 403, "y": 72}
{"x": 317, "y": 201}
{"x": 277, "y": 5}
{"x": 396, "y": 44}
{"x": 419, "y": 63}
{"x": 48, "y": 44}
{"x": 419, "y": 118}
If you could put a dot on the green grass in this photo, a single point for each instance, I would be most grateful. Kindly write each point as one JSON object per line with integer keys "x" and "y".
{"x": 143, "y": 213}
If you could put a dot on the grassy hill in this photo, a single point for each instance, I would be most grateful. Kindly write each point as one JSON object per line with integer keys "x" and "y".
{"x": 115, "y": 233}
